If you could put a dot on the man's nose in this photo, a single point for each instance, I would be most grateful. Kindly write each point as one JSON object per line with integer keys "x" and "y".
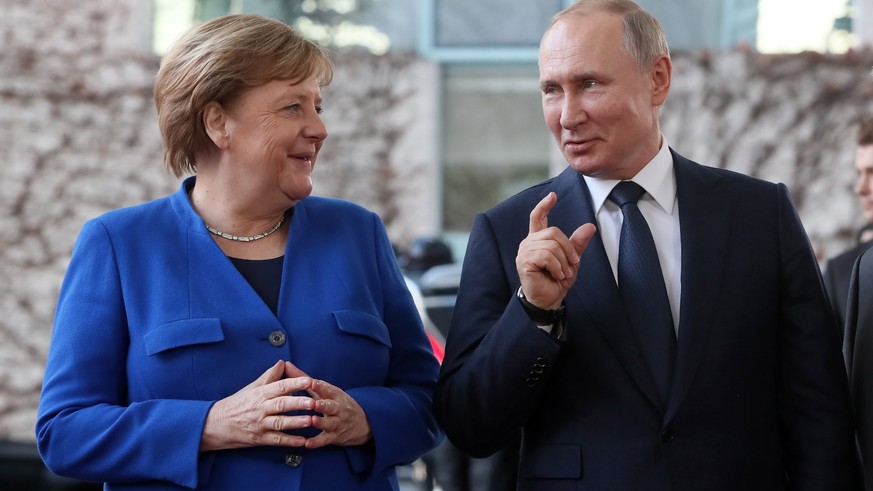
{"x": 863, "y": 186}
{"x": 573, "y": 112}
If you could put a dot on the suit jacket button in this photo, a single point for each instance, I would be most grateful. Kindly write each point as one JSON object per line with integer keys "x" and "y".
{"x": 668, "y": 436}
{"x": 293, "y": 460}
{"x": 277, "y": 338}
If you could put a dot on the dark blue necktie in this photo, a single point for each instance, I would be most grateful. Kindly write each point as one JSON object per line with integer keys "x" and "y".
{"x": 641, "y": 283}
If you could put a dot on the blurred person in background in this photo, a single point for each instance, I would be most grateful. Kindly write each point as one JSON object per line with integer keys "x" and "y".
{"x": 644, "y": 322}
{"x": 838, "y": 270}
{"x": 240, "y": 333}
{"x": 857, "y": 302}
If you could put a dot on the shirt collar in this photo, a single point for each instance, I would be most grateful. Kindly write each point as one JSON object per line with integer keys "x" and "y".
{"x": 656, "y": 177}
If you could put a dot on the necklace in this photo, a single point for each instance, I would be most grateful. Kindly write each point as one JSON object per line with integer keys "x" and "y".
{"x": 245, "y": 238}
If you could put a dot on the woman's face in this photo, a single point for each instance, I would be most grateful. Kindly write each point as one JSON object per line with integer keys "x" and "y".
{"x": 274, "y": 133}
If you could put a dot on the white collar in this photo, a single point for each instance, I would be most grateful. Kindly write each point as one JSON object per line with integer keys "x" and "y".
{"x": 656, "y": 177}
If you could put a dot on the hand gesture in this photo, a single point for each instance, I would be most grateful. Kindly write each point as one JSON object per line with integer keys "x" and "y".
{"x": 547, "y": 261}
{"x": 254, "y": 416}
{"x": 343, "y": 422}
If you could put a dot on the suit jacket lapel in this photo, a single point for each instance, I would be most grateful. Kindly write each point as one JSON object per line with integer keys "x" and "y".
{"x": 704, "y": 222}
{"x": 595, "y": 291}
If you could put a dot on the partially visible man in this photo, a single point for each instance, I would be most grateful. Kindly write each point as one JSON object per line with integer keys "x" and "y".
{"x": 573, "y": 292}
{"x": 859, "y": 356}
{"x": 839, "y": 269}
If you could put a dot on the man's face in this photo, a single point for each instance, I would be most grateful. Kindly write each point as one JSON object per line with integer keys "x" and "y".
{"x": 601, "y": 109}
{"x": 864, "y": 186}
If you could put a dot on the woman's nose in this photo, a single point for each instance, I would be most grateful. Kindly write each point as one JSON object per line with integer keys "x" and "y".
{"x": 315, "y": 128}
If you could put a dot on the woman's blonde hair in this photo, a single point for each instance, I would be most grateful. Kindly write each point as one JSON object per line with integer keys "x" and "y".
{"x": 215, "y": 62}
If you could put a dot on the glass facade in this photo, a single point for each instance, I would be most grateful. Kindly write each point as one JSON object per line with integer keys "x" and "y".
{"x": 494, "y": 140}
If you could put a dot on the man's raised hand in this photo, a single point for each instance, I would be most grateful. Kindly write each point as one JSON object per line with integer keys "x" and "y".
{"x": 547, "y": 260}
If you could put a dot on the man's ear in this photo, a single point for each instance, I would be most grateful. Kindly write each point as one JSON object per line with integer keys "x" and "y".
{"x": 661, "y": 73}
{"x": 215, "y": 124}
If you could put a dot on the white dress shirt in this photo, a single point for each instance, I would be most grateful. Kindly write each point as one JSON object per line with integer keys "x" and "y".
{"x": 660, "y": 208}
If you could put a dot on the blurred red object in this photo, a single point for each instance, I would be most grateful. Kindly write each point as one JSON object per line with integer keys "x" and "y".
{"x": 438, "y": 351}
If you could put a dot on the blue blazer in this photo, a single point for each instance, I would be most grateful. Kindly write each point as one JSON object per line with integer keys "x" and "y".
{"x": 759, "y": 399}
{"x": 154, "y": 324}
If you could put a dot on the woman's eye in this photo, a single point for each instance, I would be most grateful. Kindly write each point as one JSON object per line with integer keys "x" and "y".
{"x": 319, "y": 109}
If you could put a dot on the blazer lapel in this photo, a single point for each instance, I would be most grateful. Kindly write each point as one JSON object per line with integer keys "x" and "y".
{"x": 595, "y": 291}
{"x": 704, "y": 222}
{"x": 225, "y": 292}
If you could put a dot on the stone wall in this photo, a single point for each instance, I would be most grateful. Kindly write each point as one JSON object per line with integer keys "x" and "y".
{"x": 787, "y": 118}
{"x": 78, "y": 137}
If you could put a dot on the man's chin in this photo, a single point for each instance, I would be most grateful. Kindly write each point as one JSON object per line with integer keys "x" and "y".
{"x": 587, "y": 167}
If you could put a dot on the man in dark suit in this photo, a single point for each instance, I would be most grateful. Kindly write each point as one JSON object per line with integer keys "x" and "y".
{"x": 858, "y": 343}
{"x": 724, "y": 373}
{"x": 838, "y": 270}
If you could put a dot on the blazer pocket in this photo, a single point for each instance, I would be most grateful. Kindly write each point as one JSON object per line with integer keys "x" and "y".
{"x": 552, "y": 461}
{"x": 363, "y": 324}
{"x": 181, "y": 333}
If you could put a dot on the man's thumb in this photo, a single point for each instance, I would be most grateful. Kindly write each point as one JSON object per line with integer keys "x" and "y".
{"x": 581, "y": 236}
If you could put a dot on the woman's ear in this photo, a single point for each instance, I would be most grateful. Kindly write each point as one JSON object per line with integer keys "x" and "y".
{"x": 662, "y": 70}
{"x": 215, "y": 124}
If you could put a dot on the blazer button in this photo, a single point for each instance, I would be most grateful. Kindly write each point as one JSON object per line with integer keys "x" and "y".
{"x": 277, "y": 338}
{"x": 293, "y": 460}
{"x": 668, "y": 436}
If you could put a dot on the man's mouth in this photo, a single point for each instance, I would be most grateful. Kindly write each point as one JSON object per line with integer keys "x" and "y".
{"x": 578, "y": 145}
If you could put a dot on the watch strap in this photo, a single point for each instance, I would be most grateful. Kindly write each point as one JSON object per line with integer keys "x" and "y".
{"x": 541, "y": 316}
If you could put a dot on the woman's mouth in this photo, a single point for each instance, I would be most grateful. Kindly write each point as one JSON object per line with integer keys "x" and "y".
{"x": 305, "y": 158}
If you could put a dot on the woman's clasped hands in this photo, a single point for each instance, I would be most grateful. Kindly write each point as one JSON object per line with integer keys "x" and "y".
{"x": 256, "y": 415}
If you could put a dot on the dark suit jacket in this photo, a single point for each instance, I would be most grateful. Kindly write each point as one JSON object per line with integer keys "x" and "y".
{"x": 760, "y": 398}
{"x": 859, "y": 356}
{"x": 837, "y": 274}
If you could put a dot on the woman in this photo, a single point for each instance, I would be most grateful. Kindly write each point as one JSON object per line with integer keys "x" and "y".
{"x": 238, "y": 334}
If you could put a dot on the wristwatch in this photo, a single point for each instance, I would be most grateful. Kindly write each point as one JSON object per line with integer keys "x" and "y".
{"x": 541, "y": 317}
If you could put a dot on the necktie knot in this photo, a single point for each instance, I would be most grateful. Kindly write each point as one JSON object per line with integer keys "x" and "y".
{"x": 626, "y": 192}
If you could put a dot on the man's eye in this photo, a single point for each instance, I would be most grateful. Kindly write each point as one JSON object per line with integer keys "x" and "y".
{"x": 590, "y": 84}
{"x": 319, "y": 109}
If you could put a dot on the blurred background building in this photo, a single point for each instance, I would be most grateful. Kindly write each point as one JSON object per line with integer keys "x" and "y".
{"x": 486, "y": 130}
{"x": 434, "y": 115}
